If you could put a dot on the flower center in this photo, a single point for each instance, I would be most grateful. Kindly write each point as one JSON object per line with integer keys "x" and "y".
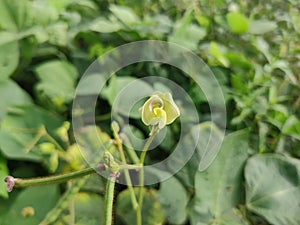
{"x": 157, "y": 102}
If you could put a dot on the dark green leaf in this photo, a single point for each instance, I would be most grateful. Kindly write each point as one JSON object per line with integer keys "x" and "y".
{"x": 9, "y": 55}
{"x": 152, "y": 213}
{"x": 173, "y": 202}
{"x": 219, "y": 188}
{"x": 122, "y": 94}
{"x": 38, "y": 199}
{"x": 272, "y": 188}
{"x": 19, "y": 131}
{"x": 57, "y": 81}
{"x": 11, "y": 94}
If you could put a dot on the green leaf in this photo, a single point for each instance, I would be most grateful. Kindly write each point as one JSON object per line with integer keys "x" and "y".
{"x": 57, "y": 81}
{"x": 3, "y": 174}
{"x": 58, "y": 35}
{"x": 14, "y": 14}
{"x": 40, "y": 199}
{"x": 272, "y": 188}
{"x": 261, "y": 26}
{"x": 103, "y": 25}
{"x": 173, "y": 202}
{"x": 186, "y": 33}
{"x": 124, "y": 14}
{"x": 11, "y": 94}
{"x": 152, "y": 213}
{"x": 237, "y": 22}
{"x": 88, "y": 210}
{"x": 123, "y": 94}
{"x": 218, "y": 52}
{"x": 219, "y": 188}
{"x": 9, "y": 55}
{"x": 291, "y": 127}
{"x": 19, "y": 131}
{"x": 205, "y": 131}
{"x": 90, "y": 85}
{"x": 91, "y": 141}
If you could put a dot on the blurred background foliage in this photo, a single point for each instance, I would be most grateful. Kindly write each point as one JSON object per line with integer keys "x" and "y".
{"x": 253, "y": 48}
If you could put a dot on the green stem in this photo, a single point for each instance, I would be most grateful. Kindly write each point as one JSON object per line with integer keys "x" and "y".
{"x": 19, "y": 182}
{"x": 109, "y": 198}
{"x": 152, "y": 135}
{"x": 126, "y": 172}
{"x": 130, "y": 152}
{"x": 53, "y": 179}
{"x": 147, "y": 144}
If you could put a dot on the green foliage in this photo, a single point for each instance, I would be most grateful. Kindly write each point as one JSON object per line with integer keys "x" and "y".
{"x": 173, "y": 202}
{"x": 216, "y": 199}
{"x": 251, "y": 47}
{"x": 152, "y": 210}
{"x": 237, "y": 22}
{"x": 40, "y": 199}
{"x": 272, "y": 188}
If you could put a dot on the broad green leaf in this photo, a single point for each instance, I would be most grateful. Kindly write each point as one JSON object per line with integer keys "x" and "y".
{"x": 218, "y": 190}
{"x": 90, "y": 85}
{"x": 15, "y": 14}
{"x": 173, "y": 202}
{"x": 103, "y": 25}
{"x": 125, "y": 15}
{"x": 3, "y": 174}
{"x": 152, "y": 213}
{"x": 123, "y": 93}
{"x": 88, "y": 208}
{"x": 57, "y": 81}
{"x": 44, "y": 13}
{"x": 11, "y": 94}
{"x": 9, "y": 55}
{"x": 19, "y": 131}
{"x": 237, "y": 22}
{"x": 203, "y": 154}
{"x": 261, "y": 26}
{"x": 37, "y": 201}
{"x": 186, "y": 33}
{"x": 272, "y": 188}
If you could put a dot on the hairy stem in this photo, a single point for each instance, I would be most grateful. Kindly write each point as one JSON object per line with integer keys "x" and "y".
{"x": 109, "y": 198}
{"x": 126, "y": 172}
{"x": 152, "y": 135}
{"x": 12, "y": 182}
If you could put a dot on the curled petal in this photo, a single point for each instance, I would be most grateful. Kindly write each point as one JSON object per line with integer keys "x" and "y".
{"x": 147, "y": 109}
{"x": 170, "y": 107}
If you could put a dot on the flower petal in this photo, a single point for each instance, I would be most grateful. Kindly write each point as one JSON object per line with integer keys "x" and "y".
{"x": 161, "y": 116}
{"x": 147, "y": 113}
{"x": 170, "y": 107}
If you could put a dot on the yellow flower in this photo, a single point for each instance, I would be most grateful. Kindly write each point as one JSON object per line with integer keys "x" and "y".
{"x": 160, "y": 109}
